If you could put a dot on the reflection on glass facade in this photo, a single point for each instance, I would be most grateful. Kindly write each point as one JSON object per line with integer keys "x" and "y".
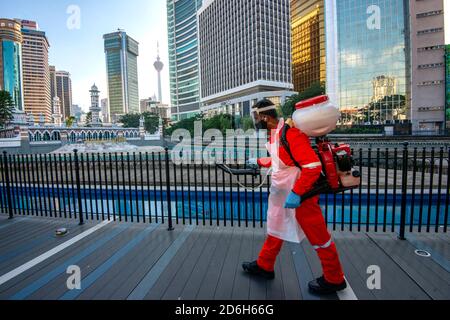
{"x": 183, "y": 57}
{"x": 121, "y": 66}
{"x": 11, "y": 77}
{"x": 12, "y": 73}
{"x": 308, "y": 43}
{"x": 371, "y": 60}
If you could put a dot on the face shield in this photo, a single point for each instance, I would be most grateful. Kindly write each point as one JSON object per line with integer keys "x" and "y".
{"x": 258, "y": 117}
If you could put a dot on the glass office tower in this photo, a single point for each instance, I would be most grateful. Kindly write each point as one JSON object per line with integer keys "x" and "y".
{"x": 11, "y": 61}
{"x": 183, "y": 58}
{"x": 122, "y": 74}
{"x": 368, "y": 50}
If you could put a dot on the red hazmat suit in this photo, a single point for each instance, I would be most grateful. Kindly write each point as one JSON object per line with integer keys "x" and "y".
{"x": 309, "y": 214}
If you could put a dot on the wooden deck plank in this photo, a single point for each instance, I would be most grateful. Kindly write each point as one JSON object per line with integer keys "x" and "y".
{"x": 18, "y": 235}
{"x": 211, "y": 280}
{"x": 275, "y": 288}
{"x": 164, "y": 281}
{"x": 143, "y": 263}
{"x": 224, "y": 287}
{"x": 354, "y": 268}
{"x": 395, "y": 283}
{"x": 42, "y": 269}
{"x": 302, "y": 269}
{"x": 207, "y": 265}
{"x": 258, "y": 285}
{"x": 436, "y": 244}
{"x": 57, "y": 287}
{"x": 241, "y": 286}
{"x": 427, "y": 274}
{"x": 36, "y": 244}
{"x": 108, "y": 284}
{"x": 195, "y": 280}
{"x": 178, "y": 283}
{"x": 430, "y": 264}
{"x": 289, "y": 275}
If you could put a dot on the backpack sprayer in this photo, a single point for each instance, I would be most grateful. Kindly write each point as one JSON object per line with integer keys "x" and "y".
{"x": 317, "y": 117}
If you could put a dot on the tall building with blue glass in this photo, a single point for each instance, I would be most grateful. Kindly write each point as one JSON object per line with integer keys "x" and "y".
{"x": 121, "y": 66}
{"x": 368, "y": 63}
{"x": 11, "y": 77}
{"x": 183, "y": 58}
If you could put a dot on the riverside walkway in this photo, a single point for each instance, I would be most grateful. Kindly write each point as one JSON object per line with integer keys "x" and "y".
{"x": 134, "y": 261}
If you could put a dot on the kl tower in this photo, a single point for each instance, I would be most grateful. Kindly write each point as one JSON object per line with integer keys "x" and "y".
{"x": 159, "y": 66}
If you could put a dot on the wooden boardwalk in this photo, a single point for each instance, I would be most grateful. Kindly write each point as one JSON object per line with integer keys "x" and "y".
{"x": 145, "y": 261}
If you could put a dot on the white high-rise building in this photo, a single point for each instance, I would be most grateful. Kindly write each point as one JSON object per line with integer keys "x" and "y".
{"x": 105, "y": 108}
{"x": 245, "y": 53}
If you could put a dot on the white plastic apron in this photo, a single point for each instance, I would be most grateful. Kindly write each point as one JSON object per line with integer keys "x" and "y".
{"x": 281, "y": 222}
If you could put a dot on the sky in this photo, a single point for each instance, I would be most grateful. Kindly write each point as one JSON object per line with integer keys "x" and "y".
{"x": 75, "y": 31}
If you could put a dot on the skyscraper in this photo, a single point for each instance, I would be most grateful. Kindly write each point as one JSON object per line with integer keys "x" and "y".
{"x": 122, "y": 74}
{"x": 368, "y": 47}
{"x": 183, "y": 57}
{"x": 11, "y": 77}
{"x": 64, "y": 92}
{"x": 447, "y": 87}
{"x": 308, "y": 43}
{"x": 245, "y": 56}
{"x": 427, "y": 65}
{"x": 36, "y": 74}
{"x": 52, "y": 71}
{"x": 105, "y": 112}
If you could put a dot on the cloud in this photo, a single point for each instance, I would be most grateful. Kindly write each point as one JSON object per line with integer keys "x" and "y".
{"x": 352, "y": 59}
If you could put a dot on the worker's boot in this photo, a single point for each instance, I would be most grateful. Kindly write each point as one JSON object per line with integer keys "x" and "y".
{"x": 321, "y": 286}
{"x": 254, "y": 269}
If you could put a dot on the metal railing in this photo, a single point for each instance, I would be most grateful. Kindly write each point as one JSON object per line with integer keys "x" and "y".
{"x": 9, "y": 133}
{"x": 403, "y": 190}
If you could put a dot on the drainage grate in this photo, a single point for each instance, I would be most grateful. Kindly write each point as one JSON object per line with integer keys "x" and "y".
{"x": 423, "y": 253}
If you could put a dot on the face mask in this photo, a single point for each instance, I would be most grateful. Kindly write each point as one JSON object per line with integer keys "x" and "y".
{"x": 261, "y": 125}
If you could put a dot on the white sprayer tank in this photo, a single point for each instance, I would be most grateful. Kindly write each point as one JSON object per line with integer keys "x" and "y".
{"x": 316, "y": 117}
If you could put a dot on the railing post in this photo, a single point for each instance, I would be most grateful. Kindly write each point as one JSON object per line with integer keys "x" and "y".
{"x": 401, "y": 235}
{"x": 8, "y": 186}
{"x": 169, "y": 198}
{"x": 78, "y": 186}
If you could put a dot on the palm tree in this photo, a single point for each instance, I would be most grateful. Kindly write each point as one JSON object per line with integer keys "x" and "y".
{"x": 6, "y": 108}
{"x": 70, "y": 121}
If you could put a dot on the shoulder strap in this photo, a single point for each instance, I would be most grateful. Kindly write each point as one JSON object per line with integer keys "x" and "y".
{"x": 286, "y": 146}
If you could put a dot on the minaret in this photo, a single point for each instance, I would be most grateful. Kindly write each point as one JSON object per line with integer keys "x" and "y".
{"x": 159, "y": 66}
{"x": 95, "y": 105}
{"x": 57, "y": 116}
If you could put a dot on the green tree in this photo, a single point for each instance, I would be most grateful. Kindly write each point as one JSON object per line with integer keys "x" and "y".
{"x": 187, "y": 124}
{"x": 6, "y": 108}
{"x": 151, "y": 122}
{"x": 221, "y": 122}
{"x": 247, "y": 123}
{"x": 70, "y": 121}
{"x": 288, "y": 108}
{"x": 132, "y": 120}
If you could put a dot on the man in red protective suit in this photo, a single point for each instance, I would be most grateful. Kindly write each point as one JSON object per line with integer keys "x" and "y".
{"x": 308, "y": 213}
